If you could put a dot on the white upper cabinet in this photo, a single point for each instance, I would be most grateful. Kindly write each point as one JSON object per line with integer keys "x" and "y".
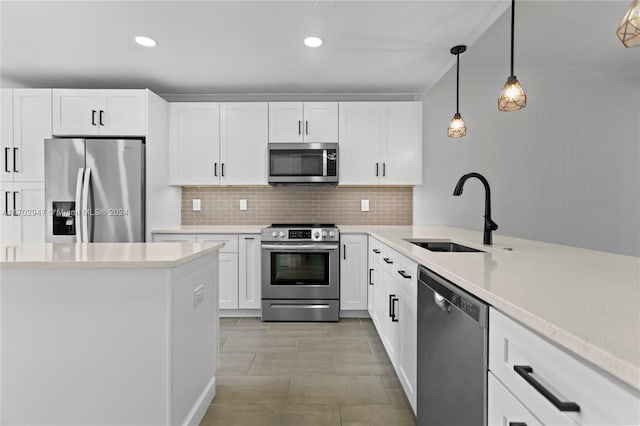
{"x": 81, "y": 112}
{"x": 26, "y": 123}
{"x": 194, "y": 143}
{"x": 303, "y": 122}
{"x": 243, "y": 143}
{"x": 380, "y": 143}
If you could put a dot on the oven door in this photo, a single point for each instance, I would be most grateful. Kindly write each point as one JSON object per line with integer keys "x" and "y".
{"x": 302, "y": 163}
{"x": 300, "y": 271}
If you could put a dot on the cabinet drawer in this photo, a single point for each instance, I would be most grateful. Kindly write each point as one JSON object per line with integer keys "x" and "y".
{"x": 230, "y": 241}
{"x": 404, "y": 268}
{"x": 601, "y": 399}
{"x": 504, "y": 408}
{"x": 179, "y": 238}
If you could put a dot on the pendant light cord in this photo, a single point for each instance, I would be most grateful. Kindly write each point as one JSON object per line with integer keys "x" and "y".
{"x": 513, "y": 6}
{"x": 457, "y": 83}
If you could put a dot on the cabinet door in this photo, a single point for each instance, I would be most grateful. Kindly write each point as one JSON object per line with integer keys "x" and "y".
{"x": 353, "y": 272}
{"x": 249, "y": 272}
{"x": 320, "y": 122}
{"x": 31, "y": 126}
{"x": 75, "y": 112}
{"x": 244, "y": 134}
{"x": 122, "y": 112}
{"x": 228, "y": 281}
{"x": 194, "y": 143}
{"x": 178, "y": 238}
{"x": 359, "y": 141}
{"x": 504, "y": 408}
{"x": 30, "y": 207}
{"x": 380, "y": 302}
{"x": 6, "y": 135}
{"x": 402, "y": 143}
{"x": 285, "y": 121}
{"x": 391, "y": 337}
{"x": 407, "y": 315}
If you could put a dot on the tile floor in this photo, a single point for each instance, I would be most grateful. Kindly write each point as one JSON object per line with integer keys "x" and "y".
{"x": 305, "y": 374}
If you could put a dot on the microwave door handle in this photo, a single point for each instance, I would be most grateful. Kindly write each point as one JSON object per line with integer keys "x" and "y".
{"x": 324, "y": 162}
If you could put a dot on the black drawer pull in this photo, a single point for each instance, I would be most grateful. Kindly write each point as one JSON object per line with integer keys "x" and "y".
{"x": 517, "y": 424}
{"x": 391, "y": 296}
{"x": 403, "y": 274}
{"x": 387, "y": 260}
{"x": 370, "y": 279}
{"x": 376, "y": 251}
{"x": 525, "y": 371}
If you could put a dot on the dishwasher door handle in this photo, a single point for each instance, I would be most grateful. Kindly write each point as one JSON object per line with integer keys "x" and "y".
{"x": 442, "y": 302}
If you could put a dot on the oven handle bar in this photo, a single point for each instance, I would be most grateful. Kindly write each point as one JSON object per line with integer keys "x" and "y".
{"x": 300, "y": 246}
{"x": 294, "y": 306}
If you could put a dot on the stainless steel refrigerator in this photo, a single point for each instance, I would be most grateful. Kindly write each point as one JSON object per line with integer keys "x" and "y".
{"x": 94, "y": 190}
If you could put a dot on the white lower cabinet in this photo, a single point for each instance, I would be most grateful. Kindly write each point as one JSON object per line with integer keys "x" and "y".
{"x": 393, "y": 309}
{"x": 504, "y": 408}
{"x": 239, "y": 273}
{"x": 536, "y": 371}
{"x": 249, "y": 272}
{"x": 353, "y": 272}
{"x": 23, "y": 216}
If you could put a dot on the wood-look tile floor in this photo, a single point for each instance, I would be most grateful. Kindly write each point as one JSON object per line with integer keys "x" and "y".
{"x": 305, "y": 374}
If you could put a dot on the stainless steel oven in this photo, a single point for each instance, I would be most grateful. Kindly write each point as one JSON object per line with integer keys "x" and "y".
{"x": 300, "y": 273}
{"x": 303, "y": 163}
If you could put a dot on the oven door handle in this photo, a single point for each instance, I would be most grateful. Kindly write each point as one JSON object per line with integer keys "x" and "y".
{"x": 300, "y": 247}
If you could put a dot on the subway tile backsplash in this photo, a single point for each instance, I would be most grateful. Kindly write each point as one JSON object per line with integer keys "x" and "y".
{"x": 281, "y": 204}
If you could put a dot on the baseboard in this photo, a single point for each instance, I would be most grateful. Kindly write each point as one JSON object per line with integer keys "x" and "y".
{"x": 199, "y": 409}
{"x": 354, "y": 314}
{"x": 225, "y": 313}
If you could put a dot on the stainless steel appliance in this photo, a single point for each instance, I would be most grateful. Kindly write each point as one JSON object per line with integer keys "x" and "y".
{"x": 94, "y": 190}
{"x": 300, "y": 272}
{"x": 303, "y": 163}
{"x": 452, "y": 354}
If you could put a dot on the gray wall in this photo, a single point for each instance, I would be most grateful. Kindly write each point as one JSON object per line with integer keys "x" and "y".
{"x": 566, "y": 169}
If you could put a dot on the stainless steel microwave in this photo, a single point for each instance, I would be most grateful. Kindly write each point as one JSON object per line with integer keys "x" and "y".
{"x": 303, "y": 163}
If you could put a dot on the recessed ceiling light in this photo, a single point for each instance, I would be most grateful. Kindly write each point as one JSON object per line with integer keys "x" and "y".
{"x": 145, "y": 41}
{"x": 313, "y": 41}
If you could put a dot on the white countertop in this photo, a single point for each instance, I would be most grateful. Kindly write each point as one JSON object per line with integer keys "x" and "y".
{"x": 102, "y": 255}
{"x": 211, "y": 229}
{"x": 586, "y": 301}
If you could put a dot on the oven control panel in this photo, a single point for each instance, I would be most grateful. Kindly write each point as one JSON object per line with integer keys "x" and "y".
{"x": 300, "y": 234}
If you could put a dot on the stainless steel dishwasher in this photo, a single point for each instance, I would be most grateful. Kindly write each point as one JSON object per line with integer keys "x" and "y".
{"x": 452, "y": 354}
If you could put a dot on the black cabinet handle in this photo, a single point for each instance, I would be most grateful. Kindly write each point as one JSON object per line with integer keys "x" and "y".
{"x": 101, "y": 112}
{"x": 15, "y": 159}
{"x": 525, "y": 371}
{"x": 93, "y": 117}
{"x": 370, "y": 279}
{"x": 384, "y": 169}
{"x": 6, "y": 203}
{"x": 249, "y": 238}
{"x": 394, "y": 316}
{"x": 403, "y": 274}
{"x": 222, "y": 169}
{"x": 344, "y": 251}
{"x": 391, "y": 296}
{"x": 377, "y": 170}
{"x": 376, "y": 251}
{"x": 15, "y": 211}
{"x": 215, "y": 169}
{"x": 387, "y": 260}
{"x": 299, "y": 127}
{"x": 517, "y": 424}
{"x": 6, "y": 160}
{"x": 306, "y": 127}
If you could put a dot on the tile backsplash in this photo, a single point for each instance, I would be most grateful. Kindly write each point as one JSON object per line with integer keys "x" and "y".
{"x": 282, "y": 204}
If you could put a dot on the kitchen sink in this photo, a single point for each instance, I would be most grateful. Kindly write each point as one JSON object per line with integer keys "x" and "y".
{"x": 445, "y": 246}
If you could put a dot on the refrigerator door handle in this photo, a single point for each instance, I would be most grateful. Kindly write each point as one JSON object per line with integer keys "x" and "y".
{"x": 78, "y": 212}
{"x": 85, "y": 205}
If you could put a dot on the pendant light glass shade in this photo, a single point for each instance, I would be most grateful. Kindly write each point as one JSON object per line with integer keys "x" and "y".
{"x": 512, "y": 97}
{"x": 629, "y": 29}
{"x": 457, "y": 129}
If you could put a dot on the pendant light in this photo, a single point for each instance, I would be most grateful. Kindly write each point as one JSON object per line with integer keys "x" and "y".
{"x": 629, "y": 29}
{"x": 512, "y": 97}
{"x": 457, "y": 129}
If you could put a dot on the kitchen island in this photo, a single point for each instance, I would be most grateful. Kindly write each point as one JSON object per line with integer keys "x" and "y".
{"x": 119, "y": 334}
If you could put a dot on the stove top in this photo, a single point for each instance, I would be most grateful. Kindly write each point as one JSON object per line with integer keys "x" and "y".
{"x": 303, "y": 225}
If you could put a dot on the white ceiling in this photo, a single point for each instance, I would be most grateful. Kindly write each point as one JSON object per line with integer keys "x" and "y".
{"x": 238, "y": 46}
{"x": 255, "y": 47}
